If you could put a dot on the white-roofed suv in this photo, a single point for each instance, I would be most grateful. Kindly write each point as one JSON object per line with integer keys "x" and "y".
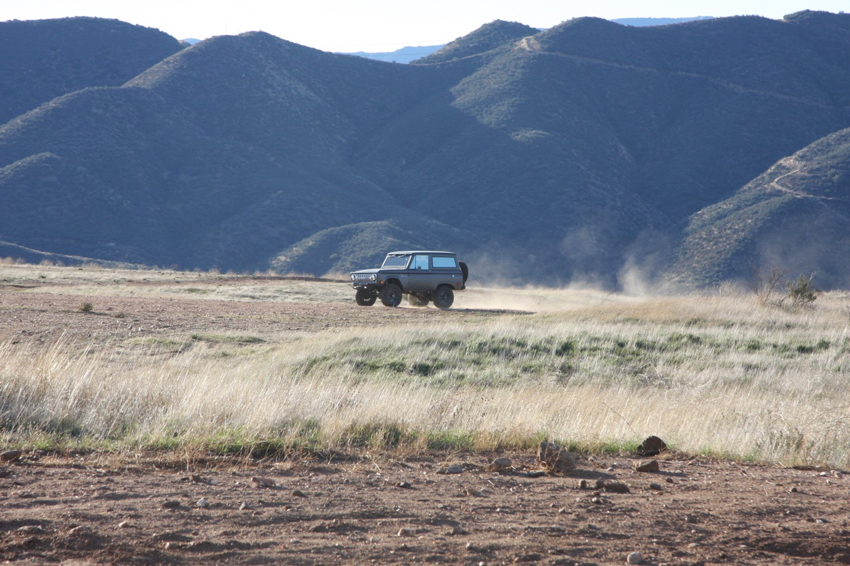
{"x": 423, "y": 276}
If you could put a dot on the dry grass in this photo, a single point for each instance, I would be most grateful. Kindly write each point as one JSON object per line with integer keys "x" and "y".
{"x": 710, "y": 374}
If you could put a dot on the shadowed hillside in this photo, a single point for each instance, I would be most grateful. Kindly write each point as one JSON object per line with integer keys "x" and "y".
{"x": 43, "y": 59}
{"x": 579, "y": 152}
{"x": 796, "y": 216}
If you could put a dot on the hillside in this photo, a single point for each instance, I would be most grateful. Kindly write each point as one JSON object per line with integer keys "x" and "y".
{"x": 44, "y": 59}
{"x": 795, "y": 216}
{"x": 579, "y": 152}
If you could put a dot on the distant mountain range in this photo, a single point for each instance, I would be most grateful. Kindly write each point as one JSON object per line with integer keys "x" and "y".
{"x": 408, "y": 54}
{"x": 590, "y": 151}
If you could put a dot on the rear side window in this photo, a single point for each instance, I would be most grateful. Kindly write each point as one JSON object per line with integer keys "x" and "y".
{"x": 420, "y": 262}
{"x": 443, "y": 262}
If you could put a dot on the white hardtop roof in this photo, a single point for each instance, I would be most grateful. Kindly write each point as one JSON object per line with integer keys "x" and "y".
{"x": 414, "y": 252}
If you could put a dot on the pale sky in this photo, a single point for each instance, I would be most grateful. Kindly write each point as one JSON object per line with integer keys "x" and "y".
{"x": 382, "y": 25}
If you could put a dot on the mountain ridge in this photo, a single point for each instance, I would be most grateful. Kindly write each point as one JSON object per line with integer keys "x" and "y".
{"x": 578, "y": 152}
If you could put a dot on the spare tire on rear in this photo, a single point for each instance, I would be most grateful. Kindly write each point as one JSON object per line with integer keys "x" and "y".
{"x": 465, "y": 270}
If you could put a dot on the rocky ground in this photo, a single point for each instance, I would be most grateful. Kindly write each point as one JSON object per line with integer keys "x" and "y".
{"x": 156, "y": 509}
{"x": 379, "y": 508}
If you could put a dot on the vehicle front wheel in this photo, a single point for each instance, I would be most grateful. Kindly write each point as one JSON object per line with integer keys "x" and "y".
{"x": 391, "y": 295}
{"x": 444, "y": 297}
{"x": 365, "y": 298}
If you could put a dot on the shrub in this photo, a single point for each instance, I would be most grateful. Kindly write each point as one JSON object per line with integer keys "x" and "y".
{"x": 801, "y": 292}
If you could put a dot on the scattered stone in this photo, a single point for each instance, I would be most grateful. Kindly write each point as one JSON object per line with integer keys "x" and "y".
{"x": 11, "y": 455}
{"x": 198, "y": 479}
{"x": 500, "y": 465}
{"x": 243, "y": 506}
{"x": 562, "y": 511}
{"x": 5, "y": 473}
{"x": 651, "y": 467}
{"x": 170, "y": 504}
{"x": 298, "y": 493}
{"x": 404, "y": 485}
{"x": 793, "y": 490}
{"x": 407, "y": 532}
{"x": 554, "y": 458}
{"x": 669, "y": 480}
{"x": 652, "y": 446}
{"x": 582, "y": 484}
{"x": 123, "y": 524}
{"x": 455, "y": 469}
{"x": 655, "y": 486}
{"x": 534, "y": 474}
{"x": 31, "y": 529}
{"x": 596, "y": 500}
{"x": 616, "y": 487}
{"x": 470, "y": 492}
{"x": 458, "y": 531}
{"x": 634, "y": 558}
{"x": 691, "y": 519}
{"x": 202, "y": 502}
{"x": 263, "y": 482}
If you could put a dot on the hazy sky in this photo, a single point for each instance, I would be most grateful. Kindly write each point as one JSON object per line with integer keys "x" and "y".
{"x": 382, "y": 25}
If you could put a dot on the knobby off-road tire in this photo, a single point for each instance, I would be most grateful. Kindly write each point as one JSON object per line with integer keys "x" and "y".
{"x": 417, "y": 300}
{"x": 391, "y": 295}
{"x": 365, "y": 298}
{"x": 443, "y": 297}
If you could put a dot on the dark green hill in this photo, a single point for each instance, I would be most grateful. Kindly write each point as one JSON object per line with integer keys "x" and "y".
{"x": 486, "y": 38}
{"x": 794, "y": 217}
{"x": 577, "y": 152}
{"x": 43, "y": 59}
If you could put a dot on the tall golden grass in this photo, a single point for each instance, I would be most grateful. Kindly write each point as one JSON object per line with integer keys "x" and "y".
{"x": 710, "y": 374}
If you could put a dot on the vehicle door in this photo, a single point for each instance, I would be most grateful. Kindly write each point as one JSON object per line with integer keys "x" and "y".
{"x": 419, "y": 274}
{"x": 445, "y": 271}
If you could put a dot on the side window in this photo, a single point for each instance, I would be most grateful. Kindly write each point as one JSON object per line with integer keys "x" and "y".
{"x": 444, "y": 262}
{"x": 420, "y": 262}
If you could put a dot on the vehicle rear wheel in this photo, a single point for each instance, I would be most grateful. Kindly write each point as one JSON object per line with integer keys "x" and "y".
{"x": 444, "y": 297}
{"x": 418, "y": 300}
{"x": 365, "y": 298}
{"x": 391, "y": 295}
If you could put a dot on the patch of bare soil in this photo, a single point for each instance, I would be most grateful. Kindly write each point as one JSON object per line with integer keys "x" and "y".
{"x": 384, "y": 511}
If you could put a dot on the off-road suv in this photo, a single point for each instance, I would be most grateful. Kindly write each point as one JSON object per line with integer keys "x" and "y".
{"x": 422, "y": 276}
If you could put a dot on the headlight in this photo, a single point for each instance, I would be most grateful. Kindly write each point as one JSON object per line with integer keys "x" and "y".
{"x": 353, "y": 277}
{"x": 373, "y": 277}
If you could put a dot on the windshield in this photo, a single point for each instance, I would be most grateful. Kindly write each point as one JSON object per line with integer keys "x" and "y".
{"x": 396, "y": 262}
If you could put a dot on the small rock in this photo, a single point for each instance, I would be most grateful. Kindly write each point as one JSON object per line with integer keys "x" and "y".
{"x": 298, "y": 493}
{"x": 406, "y": 532}
{"x": 616, "y": 487}
{"x": 554, "y": 458}
{"x": 652, "y": 446}
{"x": 458, "y": 531}
{"x": 470, "y": 492}
{"x": 455, "y": 469}
{"x": 691, "y": 519}
{"x": 634, "y": 558}
{"x": 793, "y": 490}
{"x": 202, "y": 502}
{"x": 243, "y": 506}
{"x": 123, "y": 524}
{"x": 669, "y": 480}
{"x": 170, "y": 504}
{"x": 652, "y": 466}
{"x": 562, "y": 511}
{"x": 596, "y": 500}
{"x": 582, "y": 484}
{"x": 30, "y": 529}
{"x": 263, "y": 482}
{"x": 5, "y": 473}
{"x": 404, "y": 485}
{"x": 655, "y": 486}
{"x": 10, "y": 455}
{"x": 500, "y": 465}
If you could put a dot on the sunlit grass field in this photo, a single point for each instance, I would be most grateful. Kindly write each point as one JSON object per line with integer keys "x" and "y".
{"x": 716, "y": 374}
